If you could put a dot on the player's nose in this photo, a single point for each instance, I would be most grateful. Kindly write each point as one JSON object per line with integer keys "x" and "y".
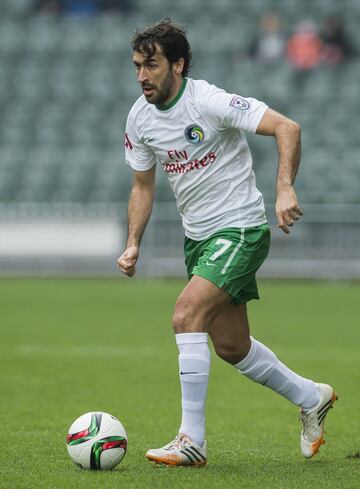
{"x": 142, "y": 76}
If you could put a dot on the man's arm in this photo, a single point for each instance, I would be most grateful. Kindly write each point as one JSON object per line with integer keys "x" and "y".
{"x": 288, "y": 139}
{"x": 139, "y": 211}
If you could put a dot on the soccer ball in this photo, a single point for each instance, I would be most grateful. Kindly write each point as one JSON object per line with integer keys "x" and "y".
{"x": 96, "y": 441}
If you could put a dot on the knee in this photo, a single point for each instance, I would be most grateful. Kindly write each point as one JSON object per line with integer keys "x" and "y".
{"x": 187, "y": 319}
{"x": 231, "y": 353}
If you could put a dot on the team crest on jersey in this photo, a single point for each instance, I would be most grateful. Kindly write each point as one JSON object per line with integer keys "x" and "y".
{"x": 240, "y": 103}
{"x": 194, "y": 134}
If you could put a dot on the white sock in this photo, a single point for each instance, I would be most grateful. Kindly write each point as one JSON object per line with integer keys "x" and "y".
{"x": 262, "y": 366}
{"x": 194, "y": 365}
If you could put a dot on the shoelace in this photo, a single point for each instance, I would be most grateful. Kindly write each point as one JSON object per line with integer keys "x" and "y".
{"x": 309, "y": 421}
{"x": 177, "y": 442}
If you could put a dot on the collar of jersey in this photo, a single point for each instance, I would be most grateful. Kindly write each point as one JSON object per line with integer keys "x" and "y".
{"x": 176, "y": 99}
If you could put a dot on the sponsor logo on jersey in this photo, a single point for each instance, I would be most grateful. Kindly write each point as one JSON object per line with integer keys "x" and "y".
{"x": 240, "y": 103}
{"x": 128, "y": 143}
{"x": 194, "y": 134}
{"x": 190, "y": 165}
{"x": 177, "y": 154}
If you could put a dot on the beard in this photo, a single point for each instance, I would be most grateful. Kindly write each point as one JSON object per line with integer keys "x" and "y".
{"x": 162, "y": 93}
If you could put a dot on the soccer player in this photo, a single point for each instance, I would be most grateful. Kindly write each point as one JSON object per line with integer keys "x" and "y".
{"x": 194, "y": 132}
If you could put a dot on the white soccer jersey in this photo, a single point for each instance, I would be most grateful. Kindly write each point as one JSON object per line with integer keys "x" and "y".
{"x": 199, "y": 142}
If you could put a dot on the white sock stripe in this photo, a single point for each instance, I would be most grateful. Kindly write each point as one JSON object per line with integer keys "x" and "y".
{"x": 193, "y": 405}
{"x": 194, "y": 379}
{"x": 194, "y": 356}
{"x": 194, "y": 363}
{"x": 191, "y": 338}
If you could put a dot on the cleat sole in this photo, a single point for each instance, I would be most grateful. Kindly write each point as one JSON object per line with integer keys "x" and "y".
{"x": 173, "y": 463}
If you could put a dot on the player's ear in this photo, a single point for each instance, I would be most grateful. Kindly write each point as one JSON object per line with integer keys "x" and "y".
{"x": 178, "y": 66}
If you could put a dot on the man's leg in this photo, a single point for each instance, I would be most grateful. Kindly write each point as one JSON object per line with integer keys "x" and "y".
{"x": 196, "y": 308}
{"x": 232, "y": 342}
{"x": 198, "y": 305}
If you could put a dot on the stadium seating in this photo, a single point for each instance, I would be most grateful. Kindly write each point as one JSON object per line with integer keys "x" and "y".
{"x": 66, "y": 86}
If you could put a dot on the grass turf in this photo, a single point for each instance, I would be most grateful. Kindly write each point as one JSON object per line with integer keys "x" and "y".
{"x": 72, "y": 346}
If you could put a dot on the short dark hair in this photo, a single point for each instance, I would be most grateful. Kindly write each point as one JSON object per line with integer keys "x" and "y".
{"x": 170, "y": 36}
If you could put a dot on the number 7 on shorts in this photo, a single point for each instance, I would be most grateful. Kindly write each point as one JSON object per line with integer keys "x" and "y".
{"x": 226, "y": 243}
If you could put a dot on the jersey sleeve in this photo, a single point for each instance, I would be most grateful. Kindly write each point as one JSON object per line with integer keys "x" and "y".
{"x": 137, "y": 154}
{"x": 228, "y": 110}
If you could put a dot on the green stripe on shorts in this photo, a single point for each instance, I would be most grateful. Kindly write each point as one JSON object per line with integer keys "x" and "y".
{"x": 230, "y": 259}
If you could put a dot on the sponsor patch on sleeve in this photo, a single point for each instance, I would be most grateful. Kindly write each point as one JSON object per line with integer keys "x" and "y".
{"x": 240, "y": 103}
{"x": 128, "y": 144}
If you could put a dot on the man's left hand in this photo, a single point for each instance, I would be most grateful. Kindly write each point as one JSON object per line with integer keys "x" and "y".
{"x": 287, "y": 208}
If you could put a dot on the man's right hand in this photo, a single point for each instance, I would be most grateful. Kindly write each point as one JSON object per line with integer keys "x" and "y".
{"x": 127, "y": 261}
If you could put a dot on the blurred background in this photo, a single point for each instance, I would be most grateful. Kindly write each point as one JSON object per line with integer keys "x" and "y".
{"x": 67, "y": 84}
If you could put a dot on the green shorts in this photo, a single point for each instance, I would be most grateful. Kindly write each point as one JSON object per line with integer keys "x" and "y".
{"x": 230, "y": 259}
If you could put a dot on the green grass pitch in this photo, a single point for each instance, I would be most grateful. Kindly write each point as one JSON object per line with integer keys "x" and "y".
{"x": 72, "y": 346}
